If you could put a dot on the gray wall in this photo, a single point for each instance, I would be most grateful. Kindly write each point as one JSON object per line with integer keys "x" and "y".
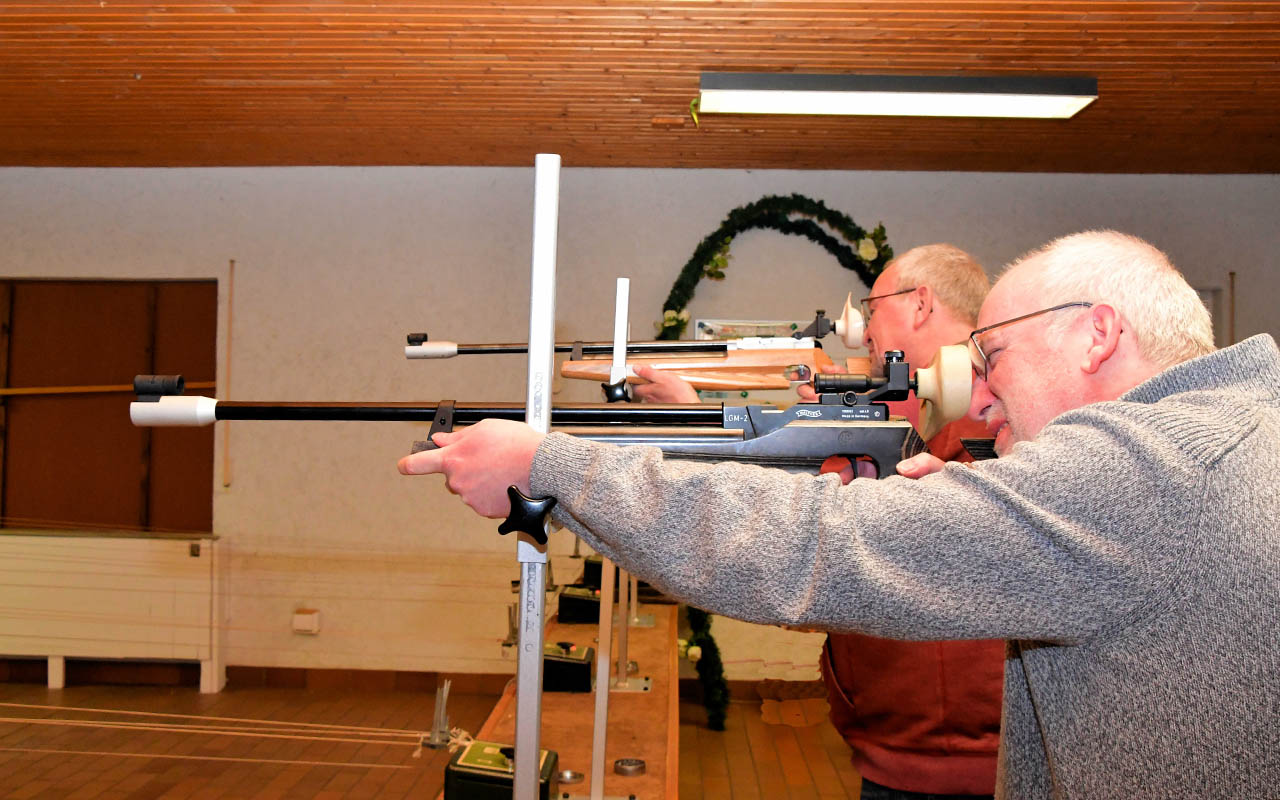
{"x": 334, "y": 265}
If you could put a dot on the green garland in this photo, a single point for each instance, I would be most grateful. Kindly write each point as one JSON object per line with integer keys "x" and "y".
{"x": 794, "y": 214}
{"x": 709, "y": 260}
{"x": 715, "y": 689}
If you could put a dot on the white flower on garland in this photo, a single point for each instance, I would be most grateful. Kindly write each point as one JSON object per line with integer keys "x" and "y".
{"x": 867, "y": 250}
{"x": 672, "y": 319}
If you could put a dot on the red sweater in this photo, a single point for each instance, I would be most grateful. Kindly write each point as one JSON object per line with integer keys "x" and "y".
{"x": 920, "y": 716}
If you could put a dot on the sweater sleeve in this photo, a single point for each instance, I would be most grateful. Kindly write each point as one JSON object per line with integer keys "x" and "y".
{"x": 1070, "y": 535}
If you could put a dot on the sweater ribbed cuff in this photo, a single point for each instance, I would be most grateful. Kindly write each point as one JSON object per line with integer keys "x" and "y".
{"x": 560, "y": 466}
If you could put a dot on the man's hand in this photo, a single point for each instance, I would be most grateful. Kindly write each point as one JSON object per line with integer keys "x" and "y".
{"x": 663, "y": 387}
{"x": 919, "y": 465}
{"x": 806, "y": 392}
{"x": 847, "y": 468}
{"x": 480, "y": 462}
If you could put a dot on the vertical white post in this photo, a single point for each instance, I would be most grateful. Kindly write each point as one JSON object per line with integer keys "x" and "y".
{"x": 600, "y": 726}
{"x": 531, "y": 555}
{"x": 617, "y": 372}
{"x": 634, "y": 616}
{"x": 603, "y": 661}
{"x": 621, "y": 305}
{"x": 624, "y": 584}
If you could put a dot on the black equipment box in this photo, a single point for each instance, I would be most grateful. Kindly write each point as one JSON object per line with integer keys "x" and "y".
{"x": 579, "y": 604}
{"x": 592, "y": 567}
{"x": 486, "y": 771}
{"x": 567, "y": 668}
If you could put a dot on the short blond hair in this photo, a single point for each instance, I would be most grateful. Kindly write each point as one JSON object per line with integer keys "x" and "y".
{"x": 1166, "y": 315}
{"x": 958, "y": 281}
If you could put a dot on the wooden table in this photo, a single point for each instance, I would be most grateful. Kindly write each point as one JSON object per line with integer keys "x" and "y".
{"x": 642, "y": 725}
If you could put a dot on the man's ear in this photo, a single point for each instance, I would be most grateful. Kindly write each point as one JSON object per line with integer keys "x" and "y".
{"x": 1105, "y": 327}
{"x": 921, "y": 305}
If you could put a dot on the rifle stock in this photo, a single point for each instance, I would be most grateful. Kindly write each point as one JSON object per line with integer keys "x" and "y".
{"x": 747, "y": 370}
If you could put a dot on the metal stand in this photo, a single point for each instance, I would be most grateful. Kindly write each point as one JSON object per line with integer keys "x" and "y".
{"x": 605, "y": 635}
{"x": 635, "y": 618}
{"x": 531, "y": 555}
{"x": 601, "y": 723}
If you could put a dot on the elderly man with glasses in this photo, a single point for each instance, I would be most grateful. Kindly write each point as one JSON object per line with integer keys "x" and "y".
{"x": 1124, "y": 543}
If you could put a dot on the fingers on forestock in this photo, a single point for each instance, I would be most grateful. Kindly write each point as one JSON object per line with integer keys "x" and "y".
{"x": 914, "y": 467}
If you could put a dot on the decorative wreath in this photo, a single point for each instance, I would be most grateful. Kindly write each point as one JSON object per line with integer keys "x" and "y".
{"x": 864, "y": 253}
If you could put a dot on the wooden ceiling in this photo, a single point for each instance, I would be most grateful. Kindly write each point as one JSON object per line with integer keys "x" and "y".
{"x": 1183, "y": 86}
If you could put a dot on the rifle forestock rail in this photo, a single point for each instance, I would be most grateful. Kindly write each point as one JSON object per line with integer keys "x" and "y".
{"x": 567, "y": 414}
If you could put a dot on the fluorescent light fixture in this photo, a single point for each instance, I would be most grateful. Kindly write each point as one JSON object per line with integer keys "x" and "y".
{"x": 895, "y": 95}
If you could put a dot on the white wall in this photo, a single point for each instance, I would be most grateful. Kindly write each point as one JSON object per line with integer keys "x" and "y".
{"x": 335, "y": 265}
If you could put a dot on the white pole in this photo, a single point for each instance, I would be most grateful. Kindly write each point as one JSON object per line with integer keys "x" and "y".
{"x": 634, "y": 618}
{"x": 621, "y": 305}
{"x": 600, "y": 729}
{"x": 603, "y": 662}
{"x": 531, "y": 555}
{"x": 623, "y": 584}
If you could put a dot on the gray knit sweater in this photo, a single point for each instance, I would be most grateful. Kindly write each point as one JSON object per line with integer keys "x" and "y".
{"x": 1130, "y": 554}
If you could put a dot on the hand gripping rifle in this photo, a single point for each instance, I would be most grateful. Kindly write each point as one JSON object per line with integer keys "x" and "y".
{"x": 850, "y": 418}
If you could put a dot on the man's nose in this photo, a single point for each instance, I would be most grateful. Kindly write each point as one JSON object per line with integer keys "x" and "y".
{"x": 980, "y": 398}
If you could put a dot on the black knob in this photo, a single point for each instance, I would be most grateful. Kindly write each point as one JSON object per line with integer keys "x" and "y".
{"x": 616, "y": 392}
{"x": 893, "y": 356}
{"x": 527, "y": 515}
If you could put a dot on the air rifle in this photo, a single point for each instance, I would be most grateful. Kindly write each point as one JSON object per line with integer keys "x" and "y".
{"x": 750, "y": 363}
{"x": 850, "y": 418}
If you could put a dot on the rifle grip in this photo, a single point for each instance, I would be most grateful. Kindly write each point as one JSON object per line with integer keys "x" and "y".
{"x": 528, "y": 515}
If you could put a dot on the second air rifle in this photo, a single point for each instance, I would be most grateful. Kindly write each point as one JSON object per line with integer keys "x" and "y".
{"x": 750, "y": 364}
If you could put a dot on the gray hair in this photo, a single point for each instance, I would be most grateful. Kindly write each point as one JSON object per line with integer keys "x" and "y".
{"x": 956, "y": 278}
{"x": 1166, "y": 315}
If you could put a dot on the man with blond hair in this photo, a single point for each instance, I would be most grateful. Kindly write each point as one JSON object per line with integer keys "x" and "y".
{"x": 922, "y": 719}
{"x": 1124, "y": 542}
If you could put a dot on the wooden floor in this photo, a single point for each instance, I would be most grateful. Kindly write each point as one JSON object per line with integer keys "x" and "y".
{"x": 272, "y": 744}
{"x": 753, "y": 759}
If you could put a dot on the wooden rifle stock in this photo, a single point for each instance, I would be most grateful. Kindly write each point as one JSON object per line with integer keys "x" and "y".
{"x": 747, "y": 370}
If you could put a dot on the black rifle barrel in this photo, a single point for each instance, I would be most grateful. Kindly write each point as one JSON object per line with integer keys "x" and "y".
{"x": 601, "y": 348}
{"x": 471, "y": 413}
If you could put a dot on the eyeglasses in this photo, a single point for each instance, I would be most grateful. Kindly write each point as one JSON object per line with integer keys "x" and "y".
{"x": 979, "y": 357}
{"x": 865, "y": 302}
